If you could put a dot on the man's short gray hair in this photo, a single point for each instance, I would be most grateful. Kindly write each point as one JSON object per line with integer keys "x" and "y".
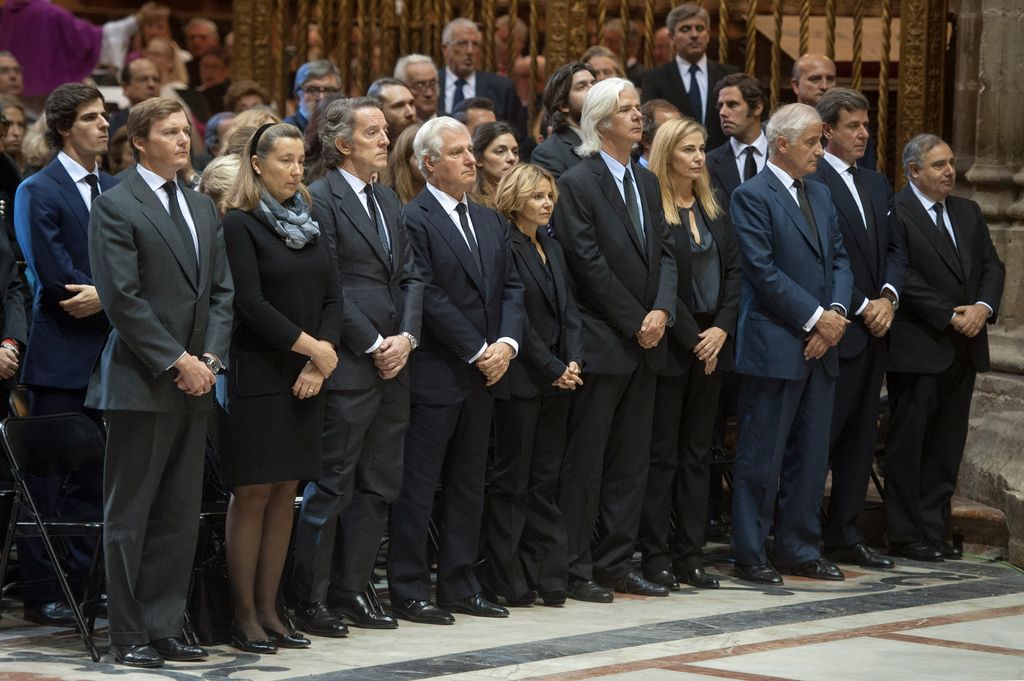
{"x": 317, "y": 69}
{"x": 684, "y": 12}
{"x": 457, "y": 22}
{"x": 837, "y": 100}
{"x": 601, "y": 102}
{"x": 403, "y": 64}
{"x": 428, "y": 140}
{"x": 338, "y": 120}
{"x": 789, "y": 122}
{"x": 916, "y": 149}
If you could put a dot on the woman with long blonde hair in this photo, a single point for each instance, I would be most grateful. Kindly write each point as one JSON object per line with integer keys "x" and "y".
{"x": 700, "y": 349}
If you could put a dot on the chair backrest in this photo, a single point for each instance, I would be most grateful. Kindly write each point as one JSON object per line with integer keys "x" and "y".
{"x": 52, "y": 445}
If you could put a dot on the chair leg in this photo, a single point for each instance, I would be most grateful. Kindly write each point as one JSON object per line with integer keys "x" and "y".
{"x": 94, "y": 584}
{"x": 12, "y": 523}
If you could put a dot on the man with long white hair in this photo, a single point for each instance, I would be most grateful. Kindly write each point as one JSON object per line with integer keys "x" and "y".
{"x": 610, "y": 221}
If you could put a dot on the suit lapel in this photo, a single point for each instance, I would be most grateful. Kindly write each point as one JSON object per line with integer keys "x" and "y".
{"x": 155, "y": 212}
{"x": 610, "y": 189}
{"x": 352, "y": 207}
{"x": 725, "y": 168}
{"x": 788, "y": 203}
{"x": 920, "y": 219}
{"x": 958, "y": 218}
{"x": 451, "y": 235}
{"x": 204, "y": 232}
{"x": 551, "y": 247}
{"x": 70, "y": 193}
{"x": 847, "y": 208}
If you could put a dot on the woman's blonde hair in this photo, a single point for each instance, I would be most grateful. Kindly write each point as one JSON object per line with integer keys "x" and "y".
{"x": 245, "y": 195}
{"x": 516, "y": 187}
{"x": 670, "y": 135}
{"x": 218, "y": 178}
{"x": 251, "y": 118}
{"x": 399, "y": 174}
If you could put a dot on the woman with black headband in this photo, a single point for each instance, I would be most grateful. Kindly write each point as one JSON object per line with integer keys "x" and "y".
{"x": 287, "y": 324}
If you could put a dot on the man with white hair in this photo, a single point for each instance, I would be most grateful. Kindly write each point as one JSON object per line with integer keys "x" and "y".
{"x": 472, "y": 324}
{"x": 610, "y": 221}
{"x": 419, "y": 74}
{"x": 793, "y": 311}
{"x": 461, "y": 42}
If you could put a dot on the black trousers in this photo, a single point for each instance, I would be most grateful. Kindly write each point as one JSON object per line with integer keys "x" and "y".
{"x": 344, "y": 514}
{"x": 523, "y": 527}
{"x": 852, "y": 446}
{"x": 685, "y": 407}
{"x": 604, "y": 473}
{"x": 927, "y": 433}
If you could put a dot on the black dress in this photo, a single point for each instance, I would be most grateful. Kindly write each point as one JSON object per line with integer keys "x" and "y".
{"x": 269, "y": 435}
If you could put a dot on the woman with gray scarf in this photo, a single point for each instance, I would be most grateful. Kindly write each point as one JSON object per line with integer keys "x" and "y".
{"x": 287, "y": 324}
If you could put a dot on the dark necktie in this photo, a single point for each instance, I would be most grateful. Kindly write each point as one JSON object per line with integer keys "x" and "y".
{"x": 474, "y": 249}
{"x": 381, "y": 234}
{"x": 750, "y": 165}
{"x": 941, "y": 224}
{"x": 694, "y": 93}
{"x": 171, "y": 187}
{"x": 869, "y": 212}
{"x": 631, "y": 206}
{"x": 459, "y": 94}
{"x": 805, "y": 208}
{"x": 94, "y": 188}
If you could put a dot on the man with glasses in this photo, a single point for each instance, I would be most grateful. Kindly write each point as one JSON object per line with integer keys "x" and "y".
{"x": 313, "y": 81}
{"x": 461, "y": 42}
{"x": 419, "y": 73}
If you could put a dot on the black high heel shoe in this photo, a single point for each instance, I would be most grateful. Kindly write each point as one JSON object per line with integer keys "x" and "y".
{"x": 263, "y": 646}
{"x": 292, "y": 639}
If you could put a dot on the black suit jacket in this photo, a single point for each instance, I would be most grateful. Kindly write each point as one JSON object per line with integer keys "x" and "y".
{"x": 380, "y": 298}
{"x": 875, "y": 262}
{"x": 557, "y": 153}
{"x": 462, "y": 309}
{"x": 498, "y": 89}
{"x": 722, "y": 168}
{"x": 665, "y": 82}
{"x": 921, "y": 339}
{"x": 551, "y": 337}
{"x": 618, "y": 278}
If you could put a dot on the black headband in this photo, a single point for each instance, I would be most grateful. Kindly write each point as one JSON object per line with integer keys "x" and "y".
{"x": 254, "y": 142}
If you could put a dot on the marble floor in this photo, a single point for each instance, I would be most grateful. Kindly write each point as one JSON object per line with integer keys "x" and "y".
{"x": 952, "y": 621}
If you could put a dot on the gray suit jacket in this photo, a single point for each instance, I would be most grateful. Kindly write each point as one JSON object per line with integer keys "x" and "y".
{"x": 157, "y": 305}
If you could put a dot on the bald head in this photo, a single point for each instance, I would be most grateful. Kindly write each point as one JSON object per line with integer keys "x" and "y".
{"x": 813, "y": 76}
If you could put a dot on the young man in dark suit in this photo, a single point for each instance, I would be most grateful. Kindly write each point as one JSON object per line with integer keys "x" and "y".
{"x": 51, "y": 211}
{"x": 742, "y": 106}
{"x": 793, "y": 306}
{"x": 564, "y": 95}
{"x": 878, "y": 260}
{"x": 472, "y": 325}
{"x": 618, "y": 247}
{"x": 161, "y": 272}
{"x": 687, "y": 80}
{"x": 952, "y": 290}
{"x": 345, "y": 513}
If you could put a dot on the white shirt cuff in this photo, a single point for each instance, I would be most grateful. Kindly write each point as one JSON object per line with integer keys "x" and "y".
{"x": 990, "y": 310}
{"x": 511, "y": 342}
{"x": 176, "y": 361}
{"x": 814, "y": 318}
{"x": 862, "y": 306}
{"x": 376, "y": 344}
{"x": 475, "y": 357}
{"x": 892, "y": 289}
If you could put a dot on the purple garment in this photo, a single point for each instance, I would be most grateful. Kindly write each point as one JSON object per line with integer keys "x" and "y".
{"x": 52, "y": 45}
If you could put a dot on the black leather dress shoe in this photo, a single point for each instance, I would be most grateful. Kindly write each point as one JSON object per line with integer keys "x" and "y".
{"x": 422, "y": 612}
{"x": 260, "y": 646}
{"x": 356, "y": 608}
{"x": 950, "y": 552}
{"x": 138, "y": 655}
{"x": 590, "y": 591}
{"x": 553, "y": 599}
{"x": 665, "y": 578}
{"x": 759, "y": 574}
{"x": 292, "y": 639}
{"x": 475, "y": 605}
{"x": 859, "y": 554}
{"x": 818, "y": 568}
{"x": 50, "y": 614}
{"x": 634, "y": 583}
{"x": 318, "y": 619}
{"x": 918, "y": 550}
{"x": 700, "y": 579}
{"x": 177, "y": 649}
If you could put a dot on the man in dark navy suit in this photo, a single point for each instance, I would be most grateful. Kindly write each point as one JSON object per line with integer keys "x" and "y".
{"x": 460, "y": 79}
{"x": 473, "y": 321}
{"x": 878, "y": 260}
{"x": 793, "y": 307}
{"x": 742, "y": 105}
{"x": 51, "y": 212}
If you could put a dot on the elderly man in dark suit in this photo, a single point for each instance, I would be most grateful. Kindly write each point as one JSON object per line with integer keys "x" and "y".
{"x": 472, "y": 324}
{"x": 610, "y": 221}
{"x": 461, "y": 42}
{"x": 793, "y": 306}
{"x": 878, "y": 260}
{"x": 687, "y": 80}
{"x": 952, "y": 289}
{"x": 564, "y": 94}
{"x": 742, "y": 105}
{"x": 157, "y": 254}
{"x": 51, "y": 211}
{"x": 345, "y": 513}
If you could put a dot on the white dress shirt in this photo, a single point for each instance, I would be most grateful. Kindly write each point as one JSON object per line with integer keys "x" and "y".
{"x": 739, "y": 152}
{"x": 702, "y": 82}
{"x": 156, "y": 183}
{"x": 468, "y": 90}
{"x": 78, "y": 174}
{"x": 618, "y": 171}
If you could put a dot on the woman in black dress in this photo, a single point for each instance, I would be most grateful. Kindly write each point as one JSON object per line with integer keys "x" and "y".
{"x": 524, "y": 531}
{"x": 287, "y": 324}
{"x": 700, "y": 349}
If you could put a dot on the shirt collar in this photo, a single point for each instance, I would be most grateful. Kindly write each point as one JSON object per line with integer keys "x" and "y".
{"x": 450, "y": 77}
{"x": 684, "y": 65}
{"x": 76, "y": 171}
{"x": 152, "y": 180}
{"x": 617, "y": 169}
{"x": 839, "y": 164}
{"x": 356, "y": 183}
{"x": 761, "y": 144}
{"x": 785, "y": 178}
{"x": 448, "y": 203}
{"x": 928, "y": 204}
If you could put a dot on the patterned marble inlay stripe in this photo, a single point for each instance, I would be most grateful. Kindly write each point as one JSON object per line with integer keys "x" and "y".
{"x": 946, "y": 643}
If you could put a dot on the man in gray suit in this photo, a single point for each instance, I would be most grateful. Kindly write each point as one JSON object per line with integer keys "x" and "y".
{"x": 345, "y": 513}
{"x": 161, "y": 272}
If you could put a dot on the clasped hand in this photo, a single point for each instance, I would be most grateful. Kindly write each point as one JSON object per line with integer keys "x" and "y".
{"x": 969, "y": 319}
{"x": 309, "y": 382}
{"x": 827, "y": 332}
{"x": 494, "y": 362}
{"x": 391, "y": 356}
{"x": 570, "y": 378}
{"x": 84, "y": 303}
{"x": 652, "y": 329}
{"x": 194, "y": 377}
{"x": 878, "y": 315}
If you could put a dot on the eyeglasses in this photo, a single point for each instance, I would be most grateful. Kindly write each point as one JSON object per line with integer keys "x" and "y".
{"x": 465, "y": 44}
{"x": 424, "y": 86}
{"x": 317, "y": 91}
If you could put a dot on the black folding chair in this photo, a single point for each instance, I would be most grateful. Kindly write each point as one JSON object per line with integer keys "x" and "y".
{"x": 49, "y": 446}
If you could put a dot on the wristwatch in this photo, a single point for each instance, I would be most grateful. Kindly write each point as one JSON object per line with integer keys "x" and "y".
{"x": 838, "y": 309}
{"x": 893, "y": 300}
{"x": 216, "y": 366}
{"x": 412, "y": 339}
